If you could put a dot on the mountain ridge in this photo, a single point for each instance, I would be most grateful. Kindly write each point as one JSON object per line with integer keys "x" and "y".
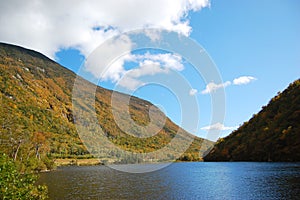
{"x": 273, "y": 134}
{"x": 36, "y": 94}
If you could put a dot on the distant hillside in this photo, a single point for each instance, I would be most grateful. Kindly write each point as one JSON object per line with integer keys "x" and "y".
{"x": 271, "y": 135}
{"x": 36, "y": 111}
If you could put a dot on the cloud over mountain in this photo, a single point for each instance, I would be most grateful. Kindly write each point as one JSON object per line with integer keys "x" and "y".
{"x": 49, "y": 26}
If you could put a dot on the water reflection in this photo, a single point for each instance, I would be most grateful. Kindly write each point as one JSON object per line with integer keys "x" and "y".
{"x": 178, "y": 181}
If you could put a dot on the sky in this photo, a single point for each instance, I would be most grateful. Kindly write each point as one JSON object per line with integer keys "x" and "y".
{"x": 254, "y": 45}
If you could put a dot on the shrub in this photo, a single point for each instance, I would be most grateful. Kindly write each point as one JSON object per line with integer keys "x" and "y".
{"x": 14, "y": 185}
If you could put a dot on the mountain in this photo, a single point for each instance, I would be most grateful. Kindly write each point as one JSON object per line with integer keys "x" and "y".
{"x": 271, "y": 135}
{"x": 37, "y": 116}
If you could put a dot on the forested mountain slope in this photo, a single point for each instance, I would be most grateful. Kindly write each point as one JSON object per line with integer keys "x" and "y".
{"x": 36, "y": 115}
{"x": 271, "y": 135}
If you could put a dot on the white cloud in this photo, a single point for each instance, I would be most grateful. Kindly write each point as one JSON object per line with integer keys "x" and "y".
{"x": 218, "y": 126}
{"x": 211, "y": 87}
{"x": 130, "y": 83}
{"x": 153, "y": 34}
{"x": 147, "y": 65}
{"x": 48, "y": 26}
{"x": 193, "y": 92}
{"x": 103, "y": 63}
{"x": 167, "y": 60}
{"x": 243, "y": 80}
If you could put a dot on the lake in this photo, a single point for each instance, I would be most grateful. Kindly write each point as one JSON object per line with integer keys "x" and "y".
{"x": 190, "y": 180}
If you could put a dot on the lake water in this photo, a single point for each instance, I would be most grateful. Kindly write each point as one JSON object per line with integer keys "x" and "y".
{"x": 191, "y": 180}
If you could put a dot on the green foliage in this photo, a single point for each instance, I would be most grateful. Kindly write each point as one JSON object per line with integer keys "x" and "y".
{"x": 36, "y": 119}
{"x": 271, "y": 135}
{"x": 14, "y": 185}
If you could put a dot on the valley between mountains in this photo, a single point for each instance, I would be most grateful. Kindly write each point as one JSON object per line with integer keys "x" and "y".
{"x": 38, "y": 123}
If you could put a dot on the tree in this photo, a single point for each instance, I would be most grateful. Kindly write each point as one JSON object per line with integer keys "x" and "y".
{"x": 14, "y": 185}
{"x": 40, "y": 143}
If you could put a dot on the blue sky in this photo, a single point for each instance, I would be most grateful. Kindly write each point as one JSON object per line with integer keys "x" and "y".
{"x": 256, "y": 38}
{"x": 254, "y": 44}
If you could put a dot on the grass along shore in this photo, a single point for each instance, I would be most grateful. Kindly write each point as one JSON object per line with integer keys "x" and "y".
{"x": 77, "y": 162}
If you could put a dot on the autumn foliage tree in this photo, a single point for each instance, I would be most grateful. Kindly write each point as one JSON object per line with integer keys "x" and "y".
{"x": 273, "y": 134}
{"x": 40, "y": 143}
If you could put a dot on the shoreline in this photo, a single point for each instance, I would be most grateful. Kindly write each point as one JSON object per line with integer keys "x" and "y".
{"x": 68, "y": 162}
{"x": 77, "y": 162}
{"x": 94, "y": 161}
